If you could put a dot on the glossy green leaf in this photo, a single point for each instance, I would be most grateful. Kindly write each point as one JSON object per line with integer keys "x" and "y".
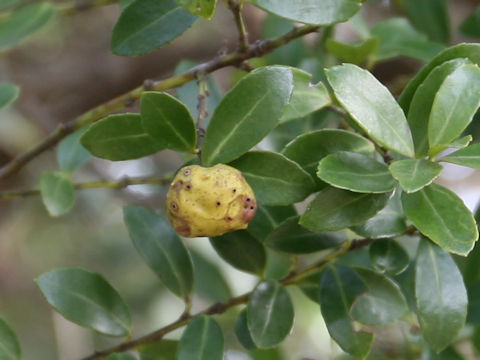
{"x": 270, "y": 314}
{"x": 415, "y": 174}
{"x": 120, "y": 137}
{"x": 165, "y": 349}
{"x": 247, "y": 114}
{"x": 161, "y": 248}
{"x": 9, "y": 344}
{"x": 339, "y": 287}
{"x": 430, "y": 17}
{"x": 306, "y": 97}
{"x": 310, "y": 285}
{"x": 355, "y": 172}
{"x": 203, "y": 8}
{"x": 267, "y": 218}
{"x": 335, "y": 209}
{"x": 279, "y": 264}
{"x": 58, "y": 193}
{"x": 326, "y": 12}
{"x": 389, "y": 256}
{"x": 372, "y": 106}
{"x": 440, "y": 295}
{"x": 146, "y": 25}
{"x": 470, "y": 156}
{"x": 86, "y": 299}
{"x": 383, "y": 303}
{"x": 275, "y": 179}
{"x": 8, "y": 94}
{"x": 460, "y": 143}
{"x": 292, "y": 238}
{"x": 471, "y": 25}
{"x": 353, "y": 53}
{"x": 71, "y": 155}
{"x": 241, "y": 250}
{"x": 168, "y": 121}
{"x": 120, "y": 356}
{"x": 455, "y": 104}
{"x": 442, "y": 216}
{"x": 202, "y": 340}
{"x": 21, "y": 23}
{"x": 242, "y": 332}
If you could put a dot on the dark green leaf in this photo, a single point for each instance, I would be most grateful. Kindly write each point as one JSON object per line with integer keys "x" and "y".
{"x": 335, "y": 209}
{"x": 309, "y": 286}
{"x": 267, "y": 218}
{"x": 473, "y": 313}
{"x": 120, "y": 137}
{"x": 165, "y": 349}
{"x": 203, "y": 8}
{"x": 58, "y": 193}
{"x": 86, "y": 299}
{"x": 448, "y": 354}
{"x": 275, "y": 179}
{"x": 388, "y": 256}
{"x": 120, "y": 356}
{"x": 442, "y": 216}
{"x": 440, "y": 294}
{"x": 9, "y": 344}
{"x": 470, "y": 156}
{"x": 471, "y": 25}
{"x": 279, "y": 264}
{"x": 71, "y": 155}
{"x": 146, "y": 25}
{"x": 247, "y": 114}
{"x": 430, "y": 17}
{"x": 242, "y": 332}
{"x": 353, "y": 53}
{"x": 241, "y": 250}
{"x": 161, "y": 248}
{"x": 4, "y": 4}
{"x": 413, "y": 174}
{"x": 269, "y": 314}
{"x": 372, "y": 106}
{"x": 168, "y": 121}
{"x": 8, "y": 94}
{"x": 202, "y": 340}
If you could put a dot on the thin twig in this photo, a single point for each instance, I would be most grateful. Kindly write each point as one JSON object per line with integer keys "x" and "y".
{"x": 236, "y": 7}
{"x": 202, "y": 108}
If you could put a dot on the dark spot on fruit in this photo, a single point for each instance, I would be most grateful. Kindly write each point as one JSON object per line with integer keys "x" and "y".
{"x": 248, "y": 199}
{"x": 229, "y": 218}
{"x": 252, "y": 207}
{"x": 219, "y": 203}
{"x": 234, "y": 191}
{"x": 187, "y": 172}
{"x": 174, "y": 206}
{"x": 188, "y": 187}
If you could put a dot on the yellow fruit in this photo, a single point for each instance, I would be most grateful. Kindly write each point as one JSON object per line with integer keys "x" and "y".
{"x": 210, "y": 201}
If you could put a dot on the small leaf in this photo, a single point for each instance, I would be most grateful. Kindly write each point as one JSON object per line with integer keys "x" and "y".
{"x": 203, "y": 8}
{"x": 241, "y": 250}
{"x": 274, "y": 179}
{"x": 326, "y": 12}
{"x": 168, "y": 121}
{"x": 470, "y": 156}
{"x": 146, "y": 25}
{"x": 120, "y": 137}
{"x": 355, "y": 54}
{"x": 9, "y": 344}
{"x": 165, "y": 349}
{"x": 388, "y": 256}
{"x": 355, "y": 172}
{"x": 242, "y": 332}
{"x": 335, "y": 209}
{"x": 8, "y": 94}
{"x": 86, "y": 299}
{"x": 413, "y": 174}
{"x": 267, "y": 218}
{"x": 442, "y": 216}
{"x": 440, "y": 295}
{"x": 71, "y": 155}
{"x": 372, "y": 106}
{"x": 58, "y": 193}
{"x": 269, "y": 314}
{"x": 161, "y": 248}
{"x": 120, "y": 356}
{"x": 471, "y": 25}
{"x": 247, "y": 114}
{"x": 202, "y": 340}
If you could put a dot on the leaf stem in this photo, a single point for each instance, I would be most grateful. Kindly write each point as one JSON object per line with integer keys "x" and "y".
{"x": 236, "y": 7}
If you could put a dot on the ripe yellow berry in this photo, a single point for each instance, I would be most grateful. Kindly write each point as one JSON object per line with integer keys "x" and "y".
{"x": 210, "y": 201}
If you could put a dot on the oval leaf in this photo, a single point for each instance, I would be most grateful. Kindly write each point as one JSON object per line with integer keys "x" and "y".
{"x": 470, "y": 156}
{"x": 442, "y": 216}
{"x": 8, "y": 94}
{"x": 86, "y": 299}
{"x": 242, "y": 332}
{"x": 413, "y": 174}
{"x": 440, "y": 295}
{"x": 267, "y": 218}
{"x": 161, "y": 248}
{"x": 71, "y": 155}
{"x": 203, "y": 8}
{"x": 58, "y": 193}
{"x": 372, "y": 106}
{"x": 274, "y": 179}
{"x": 9, "y": 344}
{"x": 168, "y": 121}
{"x": 202, "y": 340}
{"x": 388, "y": 256}
{"x": 247, "y": 114}
{"x": 269, "y": 314}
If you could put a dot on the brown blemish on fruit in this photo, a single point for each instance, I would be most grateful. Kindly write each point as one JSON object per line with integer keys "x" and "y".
{"x": 174, "y": 206}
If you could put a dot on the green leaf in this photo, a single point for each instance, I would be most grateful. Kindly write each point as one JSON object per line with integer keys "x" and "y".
{"x": 455, "y": 104}
{"x": 4, "y": 4}
{"x": 267, "y": 218}
{"x": 279, "y": 265}
{"x": 355, "y": 172}
{"x": 448, "y": 354}
{"x": 355, "y": 54}
{"x": 306, "y": 97}
{"x": 339, "y": 287}
{"x": 383, "y": 303}
{"x": 146, "y": 25}
{"x": 8, "y": 94}
{"x": 471, "y": 25}
{"x": 292, "y": 238}
{"x": 203, "y": 8}
{"x": 71, "y": 155}
{"x": 269, "y": 314}
{"x": 86, "y": 299}
{"x": 326, "y": 12}
{"x": 430, "y": 17}
{"x": 165, "y": 349}
{"x": 241, "y": 250}
{"x": 247, "y": 114}
{"x": 202, "y": 340}
{"x": 335, "y": 209}
{"x": 58, "y": 193}
{"x": 21, "y": 23}
{"x": 372, "y": 106}
{"x": 440, "y": 295}
{"x": 274, "y": 179}
{"x": 242, "y": 332}
{"x": 9, "y": 344}
{"x": 415, "y": 174}
{"x": 470, "y": 156}
{"x": 120, "y": 137}
{"x": 442, "y": 216}
{"x": 388, "y": 256}
{"x": 120, "y": 356}
{"x": 161, "y": 248}
{"x": 267, "y": 354}
{"x": 168, "y": 121}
